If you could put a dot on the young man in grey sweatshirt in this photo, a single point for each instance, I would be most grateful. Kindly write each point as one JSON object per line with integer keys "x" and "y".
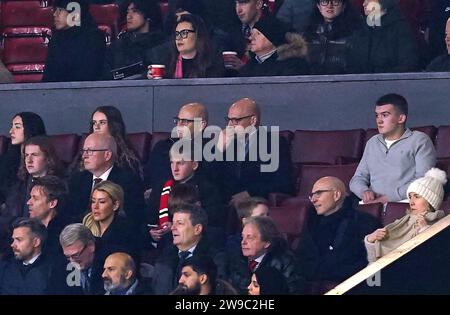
{"x": 393, "y": 158}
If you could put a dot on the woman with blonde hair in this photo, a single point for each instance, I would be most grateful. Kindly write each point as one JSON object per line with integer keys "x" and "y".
{"x": 425, "y": 197}
{"x": 105, "y": 220}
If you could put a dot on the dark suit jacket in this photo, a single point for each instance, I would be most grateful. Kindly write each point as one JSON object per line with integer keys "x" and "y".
{"x": 80, "y": 186}
{"x": 165, "y": 273}
{"x": 238, "y": 176}
{"x": 334, "y": 245}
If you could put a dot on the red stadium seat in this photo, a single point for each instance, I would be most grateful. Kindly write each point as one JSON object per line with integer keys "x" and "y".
{"x": 25, "y": 44}
{"x": 443, "y": 142}
{"x": 430, "y": 131}
{"x": 26, "y": 13}
{"x": 394, "y": 211}
{"x": 158, "y": 136}
{"x": 291, "y": 221}
{"x": 106, "y": 17}
{"x": 3, "y": 144}
{"x": 66, "y": 146}
{"x": 327, "y": 147}
{"x": 288, "y": 135}
{"x": 27, "y": 73}
{"x": 141, "y": 143}
{"x": 374, "y": 209}
{"x": 309, "y": 174}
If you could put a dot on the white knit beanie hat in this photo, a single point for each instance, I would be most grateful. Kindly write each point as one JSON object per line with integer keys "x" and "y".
{"x": 430, "y": 187}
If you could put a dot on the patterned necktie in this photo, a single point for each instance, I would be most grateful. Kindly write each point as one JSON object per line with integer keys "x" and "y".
{"x": 183, "y": 255}
{"x": 96, "y": 182}
{"x": 252, "y": 264}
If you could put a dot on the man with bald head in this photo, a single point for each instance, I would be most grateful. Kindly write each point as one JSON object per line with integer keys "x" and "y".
{"x": 99, "y": 156}
{"x": 119, "y": 276}
{"x": 442, "y": 62}
{"x": 246, "y": 177}
{"x": 333, "y": 242}
{"x": 190, "y": 122}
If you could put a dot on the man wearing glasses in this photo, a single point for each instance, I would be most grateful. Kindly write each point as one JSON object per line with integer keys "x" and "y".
{"x": 84, "y": 274}
{"x": 333, "y": 242}
{"x": 157, "y": 170}
{"x": 99, "y": 157}
{"x": 242, "y": 179}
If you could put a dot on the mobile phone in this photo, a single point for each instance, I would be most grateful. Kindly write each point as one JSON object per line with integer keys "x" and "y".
{"x": 153, "y": 226}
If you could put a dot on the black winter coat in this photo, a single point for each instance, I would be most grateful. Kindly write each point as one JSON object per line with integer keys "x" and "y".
{"x": 132, "y": 47}
{"x": 288, "y": 60}
{"x": 390, "y": 47}
{"x": 334, "y": 244}
{"x": 75, "y": 54}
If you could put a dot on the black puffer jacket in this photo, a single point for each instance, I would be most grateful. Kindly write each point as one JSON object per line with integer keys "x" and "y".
{"x": 390, "y": 47}
{"x": 278, "y": 257}
{"x": 132, "y": 47}
{"x": 289, "y": 59}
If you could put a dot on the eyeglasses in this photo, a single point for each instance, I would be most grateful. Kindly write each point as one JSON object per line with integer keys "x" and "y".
{"x": 102, "y": 122}
{"x": 318, "y": 193}
{"x": 334, "y": 3}
{"x": 183, "y": 34}
{"x": 76, "y": 256}
{"x": 90, "y": 152}
{"x": 182, "y": 121}
{"x": 236, "y": 120}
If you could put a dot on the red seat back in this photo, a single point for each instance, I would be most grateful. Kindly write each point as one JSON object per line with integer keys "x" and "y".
{"x": 106, "y": 16}
{"x": 26, "y": 13}
{"x": 141, "y": 143}
{"x": 158, "y": 136}
{"x": 25, "y": 44}
{"x": 309, "y": 174}
{"x": 374, "y": 209}
{"x": 443, "y": 142}
{"x": 291, "y": 221}
{"x": 326, "y": 147}
{"x": 66, "y": 146}
{"x": 394, "y": 211}
{"x": 24, "y": 73}
{"x": 430, "y": 131}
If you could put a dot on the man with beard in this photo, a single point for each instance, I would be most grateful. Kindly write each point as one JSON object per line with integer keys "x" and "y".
{"x": 28, "y": 273}
{"x": 199, "y": 277}
{"x": 119, "y": 276}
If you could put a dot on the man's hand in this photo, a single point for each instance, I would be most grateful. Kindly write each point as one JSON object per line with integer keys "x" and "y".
{"x": 368, "y": 196}
{"x": 234, "y": 62}
{"x": 158, "y": 233}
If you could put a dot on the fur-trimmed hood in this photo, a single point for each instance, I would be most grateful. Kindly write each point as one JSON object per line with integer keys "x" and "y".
{"x": 295, "y": 47}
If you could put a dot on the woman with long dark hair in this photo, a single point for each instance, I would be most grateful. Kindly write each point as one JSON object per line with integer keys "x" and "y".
{"x": 329, "y": 34}
{"x": 108, "y": 119}
{"x": 191, "y": 52}
{"x": 24, "y": 126}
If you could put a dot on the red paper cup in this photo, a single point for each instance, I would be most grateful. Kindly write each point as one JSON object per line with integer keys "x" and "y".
{"x": 157, "y": 71}
{"x": 227, "y": 57}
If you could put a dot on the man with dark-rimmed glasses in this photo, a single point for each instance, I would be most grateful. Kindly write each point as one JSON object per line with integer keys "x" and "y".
{"x": 333, "y": 241}
{"x": 242, "y": 178}
{"x": 99, "y": 157}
